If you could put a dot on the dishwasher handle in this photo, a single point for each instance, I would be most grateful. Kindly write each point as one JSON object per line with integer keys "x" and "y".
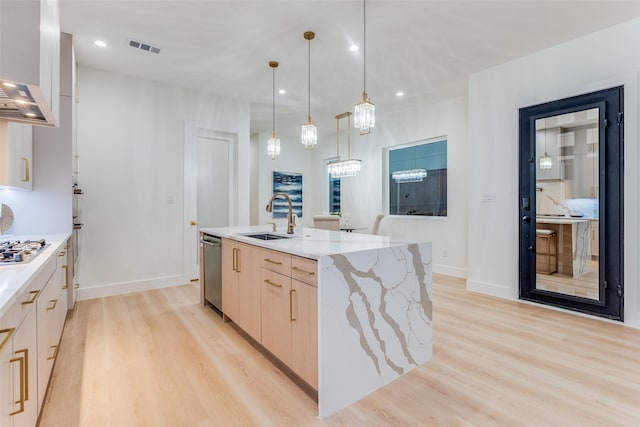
{"x": 208, "y": 243}
{"x": 211, "y": 241}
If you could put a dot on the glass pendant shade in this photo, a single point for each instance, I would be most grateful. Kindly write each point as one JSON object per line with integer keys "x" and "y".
{"x": 309, "y": 135}
{"x": 545, "y": 162}
{"x": 364, "y": 115}
{"x": 345, "y": 168}
{"x": 273, "y": 146}
{"x": 410, "y": 175}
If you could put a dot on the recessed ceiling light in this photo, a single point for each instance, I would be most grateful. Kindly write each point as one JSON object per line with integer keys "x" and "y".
{"x": 399, "y": 93}
{"x": 282, "y": 91}
{"x": 30, "y": 115}
{"x": 7, "y": 84}
{"x": 354, "y": 48}
{"x": 100, "y": 43}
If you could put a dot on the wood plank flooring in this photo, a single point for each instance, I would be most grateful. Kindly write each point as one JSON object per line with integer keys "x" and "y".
{"x": 159, "y": 359}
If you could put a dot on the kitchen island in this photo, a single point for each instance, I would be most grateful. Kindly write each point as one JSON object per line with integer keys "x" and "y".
{"x": 574, "y": 243}
{"x": 372, "y": 312}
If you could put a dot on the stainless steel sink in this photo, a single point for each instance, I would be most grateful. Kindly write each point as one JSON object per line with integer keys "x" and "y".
{"x": 266, "y": 236}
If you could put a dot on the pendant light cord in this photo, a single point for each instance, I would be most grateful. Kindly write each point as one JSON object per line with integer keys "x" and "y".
{"x": 309, "y": 80}
{"x": 273, "y": 100}
{"x": 364, "y": 46}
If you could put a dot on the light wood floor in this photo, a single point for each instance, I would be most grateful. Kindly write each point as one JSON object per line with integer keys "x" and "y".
{"x": 159, "y": 359}
{"x": 586, "y": 286}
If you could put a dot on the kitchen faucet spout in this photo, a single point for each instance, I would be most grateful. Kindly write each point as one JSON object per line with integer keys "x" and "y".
{"x": 289, "y": 215}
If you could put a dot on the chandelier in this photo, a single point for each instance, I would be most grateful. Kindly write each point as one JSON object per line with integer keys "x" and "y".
{"x": 364, "y": 113}
{"x": 273, "y": 144}
{"x": 409, "y": 175}
{"x": 545, "y": 161}
{"x": 344, "y": 168}
{"x": 309, "y": 134}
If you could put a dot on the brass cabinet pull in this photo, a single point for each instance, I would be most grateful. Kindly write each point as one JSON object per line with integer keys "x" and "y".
{"x": 291, "y": 305}
{"x": 9, "y": 333}
{"x": 76, "y": 286}
{"x": 238, "y": 260}
{"x": 272, "y": 261}
{"x": 310, "y": 273}
{"x": 66, "y": 277}
{"x": 34, "y": 295}
{"x": 26, "y": 177}
{"x": 55, "y": 352}
{"x": 233, "y": 260}
{"x": 22, "y": 385}
{"x": 272, "y": 283}
{"x": 63, "y": 253}
{"x": 52, "y": 305}
{"x": 25, "y": 351}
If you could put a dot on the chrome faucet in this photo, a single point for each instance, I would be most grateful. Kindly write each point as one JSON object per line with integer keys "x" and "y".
{"x": 289, "y": 215}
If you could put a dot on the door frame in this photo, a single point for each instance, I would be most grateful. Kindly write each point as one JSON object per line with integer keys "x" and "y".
{"x": 611, "y": 203}
{"x": 192, "y": 130}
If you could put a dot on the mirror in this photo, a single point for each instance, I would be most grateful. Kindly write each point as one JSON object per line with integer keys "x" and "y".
{"x": 567, "y": 193}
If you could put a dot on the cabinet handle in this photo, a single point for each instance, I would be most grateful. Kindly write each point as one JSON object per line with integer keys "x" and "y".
{"x": 25, "y": 175}
{"x": 310, "y": 273}
{"x": 63, "y": 253}
{"x": 25, "y": 351}
{"x": 53, "y": 304}
{"x": 22, "y": 385}
{"x": 272, "y": 283}
{"x": 238, "y": 260}
{"x": 34, "y": 295}
{"x": 76, "y": 286}
{"x": 9, "y": 333}
{"x": 66, "y": 277}
{"x": 55, "y": 352}
{"x": 272, "y": 261}
{"x": 291, "y": 304}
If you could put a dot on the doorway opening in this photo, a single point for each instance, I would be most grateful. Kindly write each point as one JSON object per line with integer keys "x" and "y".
{"x": 571, "y": 203}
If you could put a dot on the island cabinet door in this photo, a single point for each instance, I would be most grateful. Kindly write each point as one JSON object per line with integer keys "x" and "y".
{"x": 304, "y": 331}
{"x": 230, "y": 259}
{"x": 248, "y": 316}
{"x": 276, "y": 314}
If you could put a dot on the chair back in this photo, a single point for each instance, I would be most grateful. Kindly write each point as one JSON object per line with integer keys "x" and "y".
{"x": 376, "y": 224}
{"x": 327, "y": 222}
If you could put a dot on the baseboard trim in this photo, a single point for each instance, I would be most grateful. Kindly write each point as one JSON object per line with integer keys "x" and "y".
{"x": 129, "y": 287}
{"x": 492, "y": 289}
{"x": 447, "y": 270}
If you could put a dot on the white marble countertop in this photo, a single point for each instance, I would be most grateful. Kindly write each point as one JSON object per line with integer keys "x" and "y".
{"x": 561, "y": 219}
{"x": 14, "y": 278}
{"x": 309, "y": 242}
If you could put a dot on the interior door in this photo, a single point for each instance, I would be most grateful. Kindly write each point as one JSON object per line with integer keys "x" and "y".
{"x": 571, "y": 203}
{"x": 210, "y": 177}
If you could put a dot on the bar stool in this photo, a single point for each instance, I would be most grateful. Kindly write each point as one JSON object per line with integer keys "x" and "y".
{"x": 546, "y": 262}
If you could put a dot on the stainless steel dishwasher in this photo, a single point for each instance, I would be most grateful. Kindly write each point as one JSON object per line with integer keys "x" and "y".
{"x": 212, "y": 280}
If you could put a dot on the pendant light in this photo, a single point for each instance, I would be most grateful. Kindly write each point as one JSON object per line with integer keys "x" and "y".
{"x": 273, "y": 145}
{"x": 545, "y": 161}
{"x": 309, "y": 135}
{"x": 349, "y": 167}
{"x": 364, "y": 113}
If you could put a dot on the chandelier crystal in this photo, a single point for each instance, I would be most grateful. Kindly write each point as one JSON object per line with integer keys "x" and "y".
{"x": 341, "y": 169}
{"x": 545, "y": 162}
{"x": 309, "y": 132}
{"x": 409, "y": 175}
{"x": 273, "y": 146}
{"x": 364, "y": 113}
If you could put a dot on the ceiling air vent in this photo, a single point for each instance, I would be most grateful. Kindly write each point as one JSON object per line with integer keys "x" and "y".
{"x": 144, "y": 46}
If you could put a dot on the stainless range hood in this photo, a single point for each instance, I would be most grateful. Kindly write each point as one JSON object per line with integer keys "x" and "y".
{"x": 30, "y": 61}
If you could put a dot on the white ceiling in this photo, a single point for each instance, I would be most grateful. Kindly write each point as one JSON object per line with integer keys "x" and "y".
{"x": 424, "y": 48}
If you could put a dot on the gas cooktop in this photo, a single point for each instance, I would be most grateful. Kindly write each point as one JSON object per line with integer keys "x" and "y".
{"x": 18, "y": 252}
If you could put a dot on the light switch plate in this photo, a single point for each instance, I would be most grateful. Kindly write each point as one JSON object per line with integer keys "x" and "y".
{"x": 488, "y": 197}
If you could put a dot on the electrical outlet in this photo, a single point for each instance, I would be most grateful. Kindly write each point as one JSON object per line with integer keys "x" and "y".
{"x": 444, "y": 253}
{"x": 171, "y": 200}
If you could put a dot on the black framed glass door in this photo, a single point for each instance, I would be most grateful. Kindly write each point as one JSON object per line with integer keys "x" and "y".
{"x": 571, "y": 203}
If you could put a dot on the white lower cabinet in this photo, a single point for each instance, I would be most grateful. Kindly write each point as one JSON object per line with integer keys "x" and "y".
{"x": 30, "y": 333}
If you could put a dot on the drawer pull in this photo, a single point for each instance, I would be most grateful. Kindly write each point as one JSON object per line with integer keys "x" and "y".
{"x": 76, "y": 286}
{"x": 310, "y": 273}
{"x": 25, "y": 351}
{"x": 291, "y": 305}
{"x": 53, "y": 304}
{"x": 55, "y": 352}
{"x": 9, "y": 333}
{"x": 66, "y": 277}
{"x": 63, "y": 253}
{"x": 272, "y": 283}
{"x": 34, "y": 295}
{"x": 22, "y": 384}
{"x": 272, "y": 261}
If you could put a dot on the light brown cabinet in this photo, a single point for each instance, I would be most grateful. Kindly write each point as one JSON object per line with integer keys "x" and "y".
{"x": 304, "y": 332}
{"x": 276, "y": 314}
{"x": 241, "y": 286}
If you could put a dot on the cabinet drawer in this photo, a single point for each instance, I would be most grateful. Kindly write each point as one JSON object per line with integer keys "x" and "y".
{"x": 304, "y": 270}
{"x": 27, "y": 298}
{"x": 276, "y": 261}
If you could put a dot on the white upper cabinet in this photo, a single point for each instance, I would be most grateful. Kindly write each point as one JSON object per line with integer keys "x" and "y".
{"x": 16, "y": 148}
{"x": 30, "y": 61}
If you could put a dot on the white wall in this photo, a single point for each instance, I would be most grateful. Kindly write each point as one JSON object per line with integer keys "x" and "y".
{"x": 130, "y": 148}
{"x": 597, "y": 61}
{"x": 361, "y": 196}
{"x": 293, "y": 158}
